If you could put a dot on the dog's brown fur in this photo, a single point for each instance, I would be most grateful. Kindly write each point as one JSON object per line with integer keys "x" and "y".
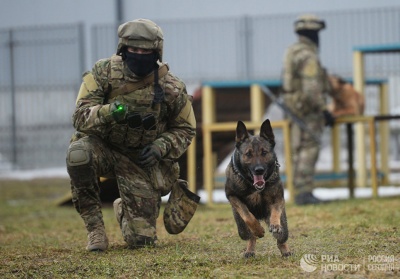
{"x": 346, "y": 100}
{"x": 254, "y": 189}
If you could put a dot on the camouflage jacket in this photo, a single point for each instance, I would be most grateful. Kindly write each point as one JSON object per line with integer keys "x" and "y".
{"x": 305, "y": 82}
{"x": 175, "y": 123}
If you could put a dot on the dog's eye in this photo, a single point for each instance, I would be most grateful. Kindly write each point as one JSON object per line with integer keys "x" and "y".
{"x": 248, "y": 154}
{"x": 264, "y": 153}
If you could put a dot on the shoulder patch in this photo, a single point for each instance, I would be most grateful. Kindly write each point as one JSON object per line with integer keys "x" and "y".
{"x": 310, "y": 68}
{"x": 89, "y": 81}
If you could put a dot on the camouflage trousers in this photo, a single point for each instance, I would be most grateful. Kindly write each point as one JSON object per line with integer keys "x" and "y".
{"x": 305, "y": 151}
{"x": 90, "y": 158}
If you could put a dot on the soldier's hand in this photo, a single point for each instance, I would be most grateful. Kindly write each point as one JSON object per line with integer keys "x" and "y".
{"x": 118, "y": 111}
{"x": 329, "y": 118}
{"x": 149, "y": 156}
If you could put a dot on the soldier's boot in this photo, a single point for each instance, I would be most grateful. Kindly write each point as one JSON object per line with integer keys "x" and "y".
{"x": 97, "y": 240}
{"x": 307, "y": 198}
{"x": 117, "y": 204}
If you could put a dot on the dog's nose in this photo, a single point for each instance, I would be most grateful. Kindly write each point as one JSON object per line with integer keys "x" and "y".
{"x": 259, "y": 170}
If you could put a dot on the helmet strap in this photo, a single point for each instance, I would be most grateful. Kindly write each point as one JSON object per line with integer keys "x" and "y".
{"x": 158, "y": 92}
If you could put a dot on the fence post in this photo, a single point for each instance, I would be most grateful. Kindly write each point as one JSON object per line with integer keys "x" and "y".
{"x": 13, "y": 102}
{"x": 359, "y": 79}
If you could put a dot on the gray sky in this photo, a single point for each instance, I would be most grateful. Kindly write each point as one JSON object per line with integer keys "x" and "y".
{"x": 42, "y": 12}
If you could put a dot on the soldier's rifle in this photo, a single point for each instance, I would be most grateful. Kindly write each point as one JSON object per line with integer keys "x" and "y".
{"x": 281, "y": 104}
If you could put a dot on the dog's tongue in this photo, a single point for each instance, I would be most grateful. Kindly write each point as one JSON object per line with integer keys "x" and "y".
{"x": 258, "y": 180}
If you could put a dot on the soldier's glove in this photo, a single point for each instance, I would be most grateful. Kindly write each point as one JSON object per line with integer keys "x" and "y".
{"x": 329, "y": 119}
{"x": 118, "y": 111}
{"x": 149, "y": 156}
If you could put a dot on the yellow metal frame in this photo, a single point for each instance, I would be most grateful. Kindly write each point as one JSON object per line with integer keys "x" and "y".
{"x": 191, "y": 166}
{"x": 209, "y": 126}
{"x": 360, "y": 120}
{"x": 359, "y": 85}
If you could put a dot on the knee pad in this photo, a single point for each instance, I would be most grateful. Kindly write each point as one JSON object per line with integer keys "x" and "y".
{"x": 79, "y": 165}
{"x": 77, "y": 154}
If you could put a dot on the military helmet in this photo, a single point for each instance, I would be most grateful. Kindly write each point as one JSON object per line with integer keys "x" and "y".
{"x": 142, "y": 33}
{"x": 309, "y": 22}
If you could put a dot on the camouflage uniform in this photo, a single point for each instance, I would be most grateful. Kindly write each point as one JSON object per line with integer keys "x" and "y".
{"x": 103, "y": 147}
{"x": 305, "y": 84}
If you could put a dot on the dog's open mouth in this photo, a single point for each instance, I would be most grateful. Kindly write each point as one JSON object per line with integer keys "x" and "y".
{"x": 258, "y": 182}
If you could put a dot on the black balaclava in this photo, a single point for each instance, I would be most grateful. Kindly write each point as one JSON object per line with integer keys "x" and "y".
{"x": 311, "y": 34}
{"x": 141, "y": 64}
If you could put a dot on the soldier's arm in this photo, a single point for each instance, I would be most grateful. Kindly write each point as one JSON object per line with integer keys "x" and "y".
{"x": 312, "y": 83}
{"x": 181, "y": 128}
{"x": 90, "y": 115}
{"x": 287, "y": 73}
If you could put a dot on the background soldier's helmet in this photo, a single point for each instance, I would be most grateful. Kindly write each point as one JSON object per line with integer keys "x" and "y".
{"x": 309, "y": 22}
{"x": 142, "y": 33}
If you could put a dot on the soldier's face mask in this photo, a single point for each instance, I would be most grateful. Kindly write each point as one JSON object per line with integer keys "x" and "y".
{"x": 311, "y": 34}
{"x": 141, "y": 64}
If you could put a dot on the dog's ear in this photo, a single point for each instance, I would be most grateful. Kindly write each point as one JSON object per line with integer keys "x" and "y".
{"x": 267, "y": 133}
{"x": 341, "y": 80}
{"x": 241, "y": 133}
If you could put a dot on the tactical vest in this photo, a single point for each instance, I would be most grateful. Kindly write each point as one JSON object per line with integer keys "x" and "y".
{"x": 144, "y": 120}
{"x": 298, "y": 99}
{"x": 291, "y": 81}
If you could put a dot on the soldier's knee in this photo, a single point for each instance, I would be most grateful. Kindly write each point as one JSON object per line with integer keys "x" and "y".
{"x": 77, "y": 154}
{"x": 79, "y": 164}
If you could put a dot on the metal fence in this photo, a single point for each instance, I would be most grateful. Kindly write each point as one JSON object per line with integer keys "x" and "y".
{"x": 41, "y": 69}
{"x": 253, "y": 47}
{"x": 42, "y": 66}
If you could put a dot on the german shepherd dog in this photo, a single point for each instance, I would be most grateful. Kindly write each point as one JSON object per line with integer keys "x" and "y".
{"x": 254, "y": 189}
{"x": 346, "y": 100}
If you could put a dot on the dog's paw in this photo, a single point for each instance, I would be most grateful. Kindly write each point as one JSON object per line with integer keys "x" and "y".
{"x": 287, "y": 254}
{"x": 259, "y": 231}
{"x": 249, "y": 254}
{"x": 275, "y": 228}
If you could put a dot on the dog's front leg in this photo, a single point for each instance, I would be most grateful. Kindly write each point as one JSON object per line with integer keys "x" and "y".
{"x": 251, "y": 221}
{"x": 275, "y": 219}
{"x": 251, "y": 248}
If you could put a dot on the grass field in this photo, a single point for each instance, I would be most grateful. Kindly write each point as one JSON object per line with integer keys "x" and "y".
{"x": 346, "y": 239}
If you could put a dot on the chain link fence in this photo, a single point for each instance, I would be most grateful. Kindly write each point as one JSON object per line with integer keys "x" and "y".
{"x": 42, "y": 67}
{"x": 40, "y": 78}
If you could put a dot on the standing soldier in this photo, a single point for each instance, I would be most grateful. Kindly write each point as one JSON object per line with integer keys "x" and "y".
{"x": 305, "y": 84}
{"x": 133, "y": 120}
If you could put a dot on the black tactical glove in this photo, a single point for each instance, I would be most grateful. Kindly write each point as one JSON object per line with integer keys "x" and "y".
{"x": 149, "y": 156}
{"x": 329, "y": 119}
{"x": 118, "y": 111}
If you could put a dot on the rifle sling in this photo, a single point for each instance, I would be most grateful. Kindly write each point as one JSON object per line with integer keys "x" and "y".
{"x": 129, "y": 87}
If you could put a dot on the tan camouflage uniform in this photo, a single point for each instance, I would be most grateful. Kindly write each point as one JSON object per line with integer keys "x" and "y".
{"x": 102, "y": 147}
{"x": 305, "y": 84}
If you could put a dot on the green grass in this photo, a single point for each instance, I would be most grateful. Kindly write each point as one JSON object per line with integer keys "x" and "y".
{"x": 39, "y": 239}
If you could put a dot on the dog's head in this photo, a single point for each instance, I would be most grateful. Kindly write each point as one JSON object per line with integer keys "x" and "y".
{"x": 256, "y": 153}
{"x": 336, "y": 82}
